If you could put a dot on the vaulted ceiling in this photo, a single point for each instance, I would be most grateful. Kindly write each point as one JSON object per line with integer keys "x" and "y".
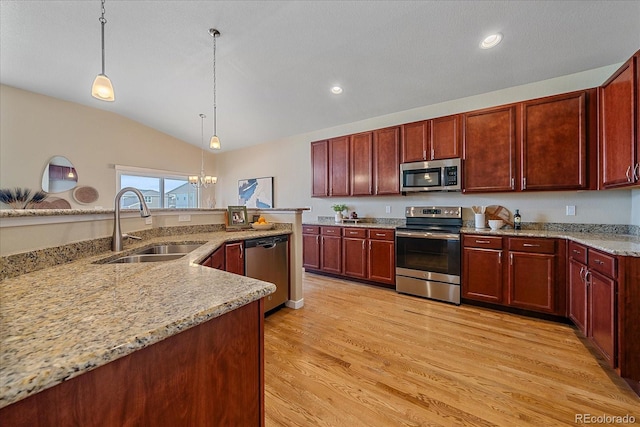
{"x": 277, "y": 60}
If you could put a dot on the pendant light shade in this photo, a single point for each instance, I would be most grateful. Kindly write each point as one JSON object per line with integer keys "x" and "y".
{"x": 102, "y": 88}
{"x": 214, "y": 142}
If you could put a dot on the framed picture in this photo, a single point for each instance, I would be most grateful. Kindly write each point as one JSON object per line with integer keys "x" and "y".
{"x": 256, "y": 192}
{"x": 238, "y": 217}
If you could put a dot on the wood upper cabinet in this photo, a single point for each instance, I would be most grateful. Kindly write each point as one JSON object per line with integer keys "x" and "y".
{"x": 619, "y": 158}
{"x": 234, "y": 258}
{"x": 361, "y": 170}
{"x": 415, "y": 141}
{"x": 339, "y": 166}
{"x": 431, "y": 139}
{"x": 320, "y": 169}
{"x": 558, "y": 143}
{"x": 489, "y": 150}
{"x": 386, "y": 161}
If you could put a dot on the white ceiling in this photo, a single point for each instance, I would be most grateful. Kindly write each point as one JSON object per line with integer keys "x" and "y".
{"x": 276, "y": 60}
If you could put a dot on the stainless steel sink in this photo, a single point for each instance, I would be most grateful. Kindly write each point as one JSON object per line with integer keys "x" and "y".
{"x": 157, "y": 253}
{"x": 169, "y": 249}
{"x": 145, "y": 258}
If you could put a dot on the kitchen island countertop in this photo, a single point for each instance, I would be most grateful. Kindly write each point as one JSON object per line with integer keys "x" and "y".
{"x": 65, "y": 320}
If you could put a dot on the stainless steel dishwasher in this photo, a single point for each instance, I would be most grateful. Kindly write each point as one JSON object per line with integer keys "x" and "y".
{"x": 267, "y": 258}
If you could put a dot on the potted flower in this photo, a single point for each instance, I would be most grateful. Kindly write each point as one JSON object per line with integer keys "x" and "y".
{"x": 338, "y": 210}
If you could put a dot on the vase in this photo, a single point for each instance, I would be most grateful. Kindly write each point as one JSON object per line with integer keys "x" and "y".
{"x": 338, "y": 216}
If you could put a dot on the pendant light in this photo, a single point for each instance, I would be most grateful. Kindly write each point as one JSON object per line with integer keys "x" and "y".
{"x": 202, "y": 181}
{"x": 102, "y": 88}
{"x": 214, "y": 143}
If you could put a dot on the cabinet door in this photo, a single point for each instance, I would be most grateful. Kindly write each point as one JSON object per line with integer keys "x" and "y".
{"x": 362, "y": 164}
{"x": 386, "y": 160}
{"x": 489, "y": 150}
{"x": 311, "y": 251}
{"x": 381, "y": 261}
{"x": 217, "y": 259}
{"x": 339, "y": 166}
{"x": 331, "y": 250}
{"x": 578, "y": 295}
{"x": 618, "y": 147}
{"x": 445, "y": 137}
{"x": 415, "y": 141}
{"x": 554, "y": 149}
{"x": 354, "y": 257}
{"x": 319, "y": 169}
{"x": 532, "y": 281}
{"x": 234, "y": 258}
{"x": 602, "y": 291}
{"x": 482, "y": 275}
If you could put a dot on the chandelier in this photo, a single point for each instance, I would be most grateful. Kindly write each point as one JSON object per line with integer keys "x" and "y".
{"x": 202, "y": 181}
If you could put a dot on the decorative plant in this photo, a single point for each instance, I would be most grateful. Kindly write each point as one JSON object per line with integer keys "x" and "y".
{"x": 21, "y": 198}
{"x": 339, "y": 208}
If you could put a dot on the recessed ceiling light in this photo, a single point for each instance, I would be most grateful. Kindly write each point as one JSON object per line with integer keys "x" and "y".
{"x": 491, "y": 41}
{"x": 336, "y": 90}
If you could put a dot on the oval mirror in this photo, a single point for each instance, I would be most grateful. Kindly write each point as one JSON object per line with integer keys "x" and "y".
{"x": 59, "y": 175}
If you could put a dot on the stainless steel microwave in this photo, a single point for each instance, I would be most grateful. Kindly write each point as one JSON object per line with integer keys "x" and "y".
{"x": 435, "y": 175}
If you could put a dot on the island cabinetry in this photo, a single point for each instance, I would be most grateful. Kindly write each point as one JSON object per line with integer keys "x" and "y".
{"x": 489, "y": 150}
{"x": 331, "y": 249}
{"x": 311, "y": 247}
{"x": 234, "y": 257}
{"x": 535, "y": 269}
{"x": 433, "y": 139}
{"x": 482, "y": 276}
{"x": 619, "y": 117}
{"x": 559, "y": 142}
{"x": 212, "y": 371}
{"x": 216, "y": 259}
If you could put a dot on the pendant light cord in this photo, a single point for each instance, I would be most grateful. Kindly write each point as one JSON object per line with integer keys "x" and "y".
{"x": 102, "y": 22}
{"x": 215, "y": 124}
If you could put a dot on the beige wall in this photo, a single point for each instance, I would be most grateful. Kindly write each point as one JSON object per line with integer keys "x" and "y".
{"x": 288, "y": 161}
{"x": 34, "y": 128}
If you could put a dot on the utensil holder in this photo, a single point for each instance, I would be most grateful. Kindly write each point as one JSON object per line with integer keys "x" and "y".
{"x": 480, "y": 220}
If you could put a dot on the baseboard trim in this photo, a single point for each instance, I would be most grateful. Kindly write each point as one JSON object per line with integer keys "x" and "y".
{"x": 295, "y": 304}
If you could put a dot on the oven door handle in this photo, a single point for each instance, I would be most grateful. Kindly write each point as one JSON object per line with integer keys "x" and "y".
{"x": 427, "y": 235}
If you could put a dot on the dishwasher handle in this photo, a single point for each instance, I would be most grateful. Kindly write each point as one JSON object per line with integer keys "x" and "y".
{"x": 266, "y": 242}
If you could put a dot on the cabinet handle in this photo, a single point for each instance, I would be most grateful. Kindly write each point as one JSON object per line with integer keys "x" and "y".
{"x": 424, "y": 154}
{"x": 353, "y": 232}
{"x": 582, "y": 271}
{"x": 576, "y": 252}
{"x": 483, "y": 241}
{"x": 628, "y": 173}
{"x": 317, "y": 240}
{"x": 369, "y": 244}
{"x": 636, "y": 173}
{"x": 597, "y": 261}
{"x": 587, "y": 278}
{"x": 380, "y": 234}
{"x": 433, "y": 154}
{"x": 512, "y": 182}
{"x": 511, "y": 258}
{"x": 524, "y": 183}
{"x": 363, "y": 245}
{"x": 500, "y": 258}
{"x": 241, "y": 252}
{"x": 530, "y": 245}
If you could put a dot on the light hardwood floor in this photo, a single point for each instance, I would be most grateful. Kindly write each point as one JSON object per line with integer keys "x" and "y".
{"x": 358, "y": 355}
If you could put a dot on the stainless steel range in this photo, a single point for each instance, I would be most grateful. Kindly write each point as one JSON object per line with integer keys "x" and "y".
{"x": 428, "y": 253}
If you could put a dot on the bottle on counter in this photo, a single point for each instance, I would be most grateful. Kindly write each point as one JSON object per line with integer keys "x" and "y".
{"x": 517, "y": 220}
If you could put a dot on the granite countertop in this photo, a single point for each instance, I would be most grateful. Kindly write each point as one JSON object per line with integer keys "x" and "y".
{"x": 62, "y": 321}
{"x": 615, "y": 244}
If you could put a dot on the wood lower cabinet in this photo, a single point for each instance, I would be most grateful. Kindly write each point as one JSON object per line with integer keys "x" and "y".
{"x": 533, "y": 278}
{"x": 578, "y": 307}
{"x": 602, "y": 315}
{"x": 619, "y": 139}
{"x": 355, "y": 252}
{"x": 213, "y": 371}
{"x": 482, "y": 276}
{"x": 234, "y": 257}
{"x": 489, "y": 150}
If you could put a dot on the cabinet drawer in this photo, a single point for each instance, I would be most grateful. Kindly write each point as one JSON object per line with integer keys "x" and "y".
{"x": 360, "y": 233}
{"x": 331, "y": 231}
{"x": 602, "y": 263}
{"x": 540, "y": 246}
{"x": 476, "y": 241}
{"x": 310, "y": 229}
{"x": 380, "y": 234}
{"x": 578, "y": 252}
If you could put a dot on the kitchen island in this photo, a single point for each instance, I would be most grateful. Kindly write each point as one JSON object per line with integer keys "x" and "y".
{"x": 130, "y": 337}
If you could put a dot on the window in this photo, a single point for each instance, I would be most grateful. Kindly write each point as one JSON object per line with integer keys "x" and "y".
{"x": 161, "y": 189}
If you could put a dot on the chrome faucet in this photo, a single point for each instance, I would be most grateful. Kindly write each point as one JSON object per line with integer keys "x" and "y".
{"x": 116, "y": 244}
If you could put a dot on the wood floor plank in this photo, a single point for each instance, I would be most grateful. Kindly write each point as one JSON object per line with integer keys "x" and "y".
{"x": 358, "y": 355}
